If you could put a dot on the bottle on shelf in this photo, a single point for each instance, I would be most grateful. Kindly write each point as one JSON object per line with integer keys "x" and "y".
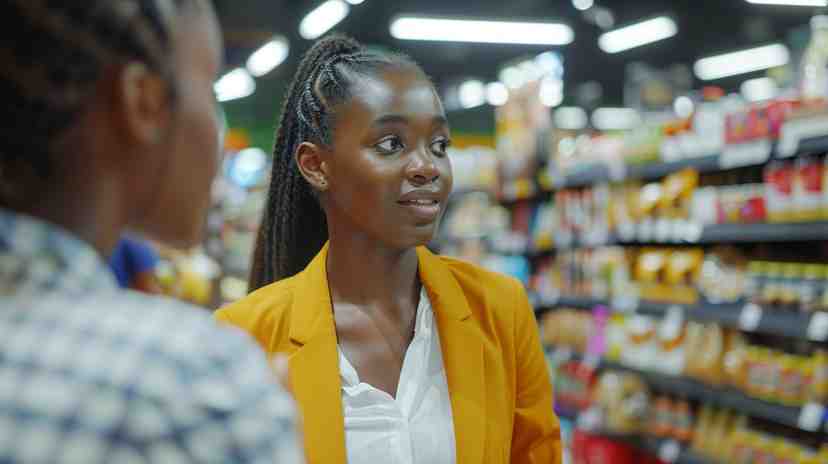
{"x": 814, "y": 69}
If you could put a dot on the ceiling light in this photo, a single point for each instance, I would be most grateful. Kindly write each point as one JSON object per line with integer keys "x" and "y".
{"x": 683, "y": 107}
{"x": 551, "y": 92}
{"x": 790, "y": 2}
{"x": 615, "y": 119}
{"x": 323, "y": 18}
{"x": 481, "y": 31}
{"x": 583, "y": 5}
{"x": 637, "y": 34}
{"x": 268, "y": 57}
{"x": 570, "y": 118}
{"x": 236, "y": 84}
{"x": 497, "y": 93}
{"x": 760, "y": 89}
{"x": 745, "y": 61}
{"x": 550, "y": 63}
{"x": 355, "y": 2}
{"x": 472, "y": 93}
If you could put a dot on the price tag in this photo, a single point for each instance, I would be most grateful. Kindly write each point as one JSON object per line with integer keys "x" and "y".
{"x": 669, "y": 451}
{"x": 810, "y": 417}
{"x": 745, "y": 154}
{"x": 792, "y": 133}
{"x": 663, "y": 228}
{"x": 625, "y": 303}
{"x": 617, "y": 171}
{"x": 818, "y": 327}
{"x": 626, "y": 231}
{"x": 592, "y": 361}
{"x": 672, "y": 324}
{"x": 692, "y": 232}
{"x": 750, "y": 317}
{"x": 562, "y": 355}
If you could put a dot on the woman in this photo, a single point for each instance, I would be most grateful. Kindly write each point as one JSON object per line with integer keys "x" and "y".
{"x": 360, "y": 180}
{"x": 109, "y": 124}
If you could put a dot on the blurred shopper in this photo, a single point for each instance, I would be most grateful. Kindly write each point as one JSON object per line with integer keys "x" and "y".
{"x": 108, "y": 123}
{"x": 396, "y": 355}
{"x": 134, "y": 262}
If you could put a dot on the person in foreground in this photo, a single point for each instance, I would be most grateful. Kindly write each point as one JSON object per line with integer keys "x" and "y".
{"x": 395, "y": 355}
{"x": 109, "y": 123}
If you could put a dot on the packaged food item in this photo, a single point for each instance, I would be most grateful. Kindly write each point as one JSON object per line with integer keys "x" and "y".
{"x": 809, "y": 288}
{"x": 819, "y": 385}
{"x": 677, "y": 193}
{"x": 622, "y": 400}
{"x": 779, "y": 198}
{"x": 789, "y": 286}
{"x": 683, "y": 422}
{"x": 723, "y": 277}
{"x": 735, "y": 363}
{"x": 755, "y": 281}
{"x": 660, "y": 424}
{"x": 814, "y": 83}
{"x": 774, "y": 287}
{"x": 808, "y": 188}
{"x": 790, "y": 390}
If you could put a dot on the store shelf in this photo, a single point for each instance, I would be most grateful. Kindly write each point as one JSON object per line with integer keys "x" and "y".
{"x": 762, "y": 320}
{"x": 726, "y": 398}
{"x": 658, "y": 170}
{"x": 649, "y": 171}
{"x": 713, "y": 234}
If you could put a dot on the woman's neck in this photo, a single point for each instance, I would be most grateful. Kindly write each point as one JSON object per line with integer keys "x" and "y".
{"x": 364, "y": 273}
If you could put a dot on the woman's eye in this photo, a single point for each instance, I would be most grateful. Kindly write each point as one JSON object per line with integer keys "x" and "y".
{"x": 389, "y": 145}
{"x": 440, "y": 147}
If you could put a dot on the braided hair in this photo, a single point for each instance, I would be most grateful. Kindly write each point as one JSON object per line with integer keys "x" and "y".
{"x": 293, "y": 227}
{"x": 52, "y": 54}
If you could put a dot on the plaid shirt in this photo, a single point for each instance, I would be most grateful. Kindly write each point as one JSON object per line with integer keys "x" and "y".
{"x": 91, "y": 374}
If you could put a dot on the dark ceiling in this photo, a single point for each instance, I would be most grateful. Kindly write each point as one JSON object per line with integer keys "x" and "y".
{"x": 705, "y": 27}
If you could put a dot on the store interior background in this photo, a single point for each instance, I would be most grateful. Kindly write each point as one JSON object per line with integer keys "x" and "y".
{"x": 666, "y": 210}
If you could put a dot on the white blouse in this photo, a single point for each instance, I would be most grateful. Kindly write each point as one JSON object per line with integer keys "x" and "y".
{"x": 414, "y": 428}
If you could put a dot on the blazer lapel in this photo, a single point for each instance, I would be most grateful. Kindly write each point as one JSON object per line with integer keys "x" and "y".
{"x": 314, "y": 366}
{"x": 461, "y": 342}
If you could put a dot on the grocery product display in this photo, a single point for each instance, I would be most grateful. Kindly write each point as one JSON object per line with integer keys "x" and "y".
{"x": 678, "y": 270}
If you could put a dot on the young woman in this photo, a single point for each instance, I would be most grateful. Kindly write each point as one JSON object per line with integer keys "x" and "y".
{"x": 395, "y": 355}
{"x": 109, "y": 123}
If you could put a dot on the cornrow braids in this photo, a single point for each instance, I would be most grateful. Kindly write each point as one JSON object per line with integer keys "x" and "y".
{"x": 293, "y": 227}
{"x": 52, "y": 54}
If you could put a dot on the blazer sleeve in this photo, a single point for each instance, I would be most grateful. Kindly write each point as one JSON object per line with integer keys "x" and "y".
{"x": 536, "y": 436}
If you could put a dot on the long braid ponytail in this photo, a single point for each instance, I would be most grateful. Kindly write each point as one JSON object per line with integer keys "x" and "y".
{"x": 293, "y": 227}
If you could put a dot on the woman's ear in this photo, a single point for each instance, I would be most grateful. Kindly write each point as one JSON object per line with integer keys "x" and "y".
{"x": 312, "y": 165}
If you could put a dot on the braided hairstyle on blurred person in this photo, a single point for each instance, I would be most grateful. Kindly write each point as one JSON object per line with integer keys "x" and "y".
{"x": 52, "y": 55}
{"x": 293, "y": 227}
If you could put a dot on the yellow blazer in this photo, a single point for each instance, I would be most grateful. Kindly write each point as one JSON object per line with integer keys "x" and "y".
{"x": 498, "y": 380}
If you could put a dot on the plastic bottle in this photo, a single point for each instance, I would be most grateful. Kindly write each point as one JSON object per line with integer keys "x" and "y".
{"x": 814, "y": 77}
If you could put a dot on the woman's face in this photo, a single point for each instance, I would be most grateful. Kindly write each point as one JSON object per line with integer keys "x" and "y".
{"x": 389, "y": 175}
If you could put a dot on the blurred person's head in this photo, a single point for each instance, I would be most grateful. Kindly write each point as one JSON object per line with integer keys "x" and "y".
{"x": 110, "y": 119}
{"x": 360, "y": 153}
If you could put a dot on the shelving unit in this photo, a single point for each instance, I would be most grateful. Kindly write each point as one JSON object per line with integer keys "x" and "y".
{"x": 810, "y": 418}
{"x": 768, "y": 321}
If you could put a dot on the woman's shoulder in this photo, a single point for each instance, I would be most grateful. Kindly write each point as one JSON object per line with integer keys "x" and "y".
{"x": 263, "y": 307}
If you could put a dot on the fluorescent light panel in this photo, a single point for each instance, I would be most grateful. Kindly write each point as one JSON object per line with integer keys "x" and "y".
{"x": 615, "y": 119}
{"x": 323, "y": 18}
{"x": 741, "y": 62}
{"x": 790, "y": 2}
{"x": 570, "y": 118}
{"x": 472, "y": 94}
{"x": 268, "y": 57}
{"x": 480, "y": 31}
{"x": 497, "y": 93}
{"x": 636, "y": 35}
{"x": 236, "y": 84}
{"x": 759, "y": 89}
